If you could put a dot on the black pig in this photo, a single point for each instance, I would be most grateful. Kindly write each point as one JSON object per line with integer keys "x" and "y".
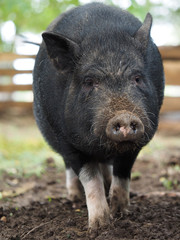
{"x": 98, "y": 88}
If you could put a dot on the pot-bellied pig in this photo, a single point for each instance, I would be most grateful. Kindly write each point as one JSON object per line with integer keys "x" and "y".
{"x": 98, "y": 88}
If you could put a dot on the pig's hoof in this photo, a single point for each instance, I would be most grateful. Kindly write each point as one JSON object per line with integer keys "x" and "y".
{"x": 99, "y": 221}
{"x": 92, "y": 233}
{"x": 119, "y": 203}
{"x": 75, "y": 195}
{"x": 96, "y": 227}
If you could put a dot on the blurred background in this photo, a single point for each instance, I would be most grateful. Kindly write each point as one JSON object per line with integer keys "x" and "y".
{"x": 22, "y": 149}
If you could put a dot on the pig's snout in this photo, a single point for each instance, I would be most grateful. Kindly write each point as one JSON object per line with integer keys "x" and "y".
{"x": 125, "y": 126}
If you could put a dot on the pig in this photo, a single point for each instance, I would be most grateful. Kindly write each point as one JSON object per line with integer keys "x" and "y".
{"x": 98, "y": 89}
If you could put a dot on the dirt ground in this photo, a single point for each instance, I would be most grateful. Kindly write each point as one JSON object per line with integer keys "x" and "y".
{"x": 42, "y": 210}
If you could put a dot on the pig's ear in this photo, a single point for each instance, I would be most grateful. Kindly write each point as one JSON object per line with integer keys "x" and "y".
{"x": 143, "y": 33}
{"x": 61, "y": 50}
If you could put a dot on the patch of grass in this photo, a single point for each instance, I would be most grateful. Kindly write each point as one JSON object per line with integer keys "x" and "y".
{"x": 25, "y": 157}
{"x": 152, "y": 147}
{"x": 170, "y": 184}
{"x": 136, "y": 175}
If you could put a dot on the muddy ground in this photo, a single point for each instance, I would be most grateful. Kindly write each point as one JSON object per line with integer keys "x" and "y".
{"x": 39, "y": 208}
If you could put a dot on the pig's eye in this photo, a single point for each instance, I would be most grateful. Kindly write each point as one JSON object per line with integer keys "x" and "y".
{"x": 90, "y": 83}
{"x": 138, "y": 79}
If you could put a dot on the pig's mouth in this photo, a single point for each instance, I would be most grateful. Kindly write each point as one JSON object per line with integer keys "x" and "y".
{"x": 112, "y": 147}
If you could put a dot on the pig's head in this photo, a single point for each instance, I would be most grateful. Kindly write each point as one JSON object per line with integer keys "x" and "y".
{"x": 112, "y": 100}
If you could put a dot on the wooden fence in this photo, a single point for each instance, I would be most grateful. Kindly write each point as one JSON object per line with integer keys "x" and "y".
{"x": 7, "y": 85}
{"x": 171, "y": 61}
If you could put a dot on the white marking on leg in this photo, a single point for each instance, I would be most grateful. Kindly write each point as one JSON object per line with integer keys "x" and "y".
{"x": 73, "y": 185}
{"x": 119, "y": 194}
{"x": 98, "y": 210}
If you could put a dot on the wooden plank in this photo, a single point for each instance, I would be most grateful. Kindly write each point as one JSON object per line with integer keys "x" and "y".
{"x": 172, "y": 72}
{"x": 170, "y": 52}
{"x": 12, "y": 56}
{"x": 13, "y": 87}
{"x": 171, "y": 104}
{"x": 12, "y": 72}
{"x": 8, "y": 104}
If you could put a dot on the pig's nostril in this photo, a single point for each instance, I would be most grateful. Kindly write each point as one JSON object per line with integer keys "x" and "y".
{"x": 117, "y": 127}
{"x": 133, "y": 126}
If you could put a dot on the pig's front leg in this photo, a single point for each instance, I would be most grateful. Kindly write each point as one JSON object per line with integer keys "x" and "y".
{"x": 92, "y": 181}
{"x": 119, "y": 190}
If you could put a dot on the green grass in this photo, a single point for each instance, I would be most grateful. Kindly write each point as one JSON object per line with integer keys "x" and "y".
{"x": 25, "y": 156}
